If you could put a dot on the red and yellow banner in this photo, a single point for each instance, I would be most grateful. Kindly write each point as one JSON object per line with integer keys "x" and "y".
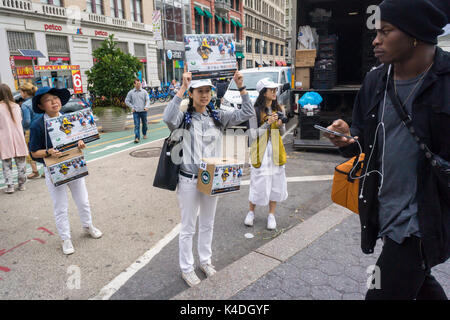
{"x": 77, "y": 83}
{"x": 25, "y": 72}
{"x": 56, "y": 68}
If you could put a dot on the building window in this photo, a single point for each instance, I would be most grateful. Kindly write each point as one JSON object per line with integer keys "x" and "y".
{"x": 206, "y": 24}
{"x": 136, "y": 10}
{"x": 249, "y": 64}
{"x": 271, "y": 48}
{"x": 232, "y": 27}
{"x": 248, "y": 44}
{"x": 57, "y": 45}
{"x": 224, "y": 27}
{"x": 95, "y": 6}
{"x": 276, "y": 49}
{"x": 198, "y": 21}
{"x": 20, "y": 40}
{"x": 237, "y": 5}
{"x": 281, "y": 50}
{"x": 257, "y": 46}
{"x": 172, "y": 23}
{"x": 117, "y": 9}
{"x": 265, "y": 47}
{"x": 58, "y": 3}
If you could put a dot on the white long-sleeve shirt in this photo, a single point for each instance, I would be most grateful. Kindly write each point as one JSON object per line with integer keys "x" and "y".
{"x": 137, "y": 100}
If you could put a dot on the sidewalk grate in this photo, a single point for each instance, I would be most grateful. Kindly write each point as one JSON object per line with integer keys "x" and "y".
{"x": 146, "y": 152}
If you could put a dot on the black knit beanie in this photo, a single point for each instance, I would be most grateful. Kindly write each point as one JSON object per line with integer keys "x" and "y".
{"x": 421, "y": 19}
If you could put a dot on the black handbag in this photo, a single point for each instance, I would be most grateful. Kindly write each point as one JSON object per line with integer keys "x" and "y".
{"x": 439, "y": 166}
{"x": 166, "y": 176}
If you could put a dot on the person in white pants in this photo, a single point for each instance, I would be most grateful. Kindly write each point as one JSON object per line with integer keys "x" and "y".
{"x": 268, "y": 184}
{"x": 49, "y": 101}
{"x": 203, "y": 125}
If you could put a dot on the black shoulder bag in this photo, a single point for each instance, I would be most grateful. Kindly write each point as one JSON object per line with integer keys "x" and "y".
{"x": 439, "y": 166}
{"x": 166, "y": 176}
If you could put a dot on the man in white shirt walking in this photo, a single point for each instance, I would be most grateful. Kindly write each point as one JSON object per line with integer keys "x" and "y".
{"x": 138, "y": 100}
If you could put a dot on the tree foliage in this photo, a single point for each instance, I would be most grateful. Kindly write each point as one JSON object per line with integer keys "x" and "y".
{"x": 112, "y": 75}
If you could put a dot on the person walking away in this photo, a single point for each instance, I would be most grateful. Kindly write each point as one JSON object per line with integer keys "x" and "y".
{"x": 137, "y": 99}
{"x": 27, "y": 91}
{"x": 12, "y": 140}
{"x": 48, "y": 101}
{"x": 402, "y": 198}
{"x": 268, "y": 184}
{"x": 203, "y": 127}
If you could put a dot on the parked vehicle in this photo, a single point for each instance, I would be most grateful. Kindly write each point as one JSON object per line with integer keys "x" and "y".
{"x": 281, "y": 75}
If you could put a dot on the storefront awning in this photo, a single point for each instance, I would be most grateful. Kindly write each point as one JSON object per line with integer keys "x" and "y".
{"x": 208, "y": 14}
{"x": 239, "y": 55}
{"x": 218, "y": 18}
{"x": 199, "y": 11}
{"x": 238, "y": 23}
{"x": 284, "y": 63}
{"x": 278, "y": 63}
{"x": 234, "y": 22}
{"x": 225, "y": 20}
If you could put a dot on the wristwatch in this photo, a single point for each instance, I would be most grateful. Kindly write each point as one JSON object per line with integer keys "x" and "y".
{"x": 242, "y": 88}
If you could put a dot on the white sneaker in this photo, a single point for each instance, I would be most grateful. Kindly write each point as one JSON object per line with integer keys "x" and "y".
{"x": 9, "y": 189}
{"x": 271, "y": 222}
{"x": 249, "y": 219}
{"x": 208, "y": 269}
{"x": 191, "y": 278}
{"x": 22, "y": 187}
{"x": 94, "y": 232}
{"x": 68, "y": 247}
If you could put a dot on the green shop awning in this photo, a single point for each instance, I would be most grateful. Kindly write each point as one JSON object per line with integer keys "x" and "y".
{"x": 233, "y": 22}
{"x": 225, "y": 20}
{"x": 239, "y": 24}
{"x": 199, "y": 11}
{"x": 218, "y": 18}
{"x": 208, "y": 14}
{"x": 239, "y": 55}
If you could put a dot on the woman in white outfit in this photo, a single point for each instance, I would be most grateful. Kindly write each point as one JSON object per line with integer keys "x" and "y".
{"x": 48, "y": 101}
{"x": 202, "y": 135}
{"x": 268, "y": 184}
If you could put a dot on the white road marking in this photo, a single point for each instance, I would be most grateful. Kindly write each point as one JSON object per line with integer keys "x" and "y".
{"x": 298, "y": 179}
{"x": 107, "y": 291}
{"x": 117, "y": 145}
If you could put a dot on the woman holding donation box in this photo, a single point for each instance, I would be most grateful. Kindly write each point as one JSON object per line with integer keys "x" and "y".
{"x": 267, "y": 177}
{"x": 202, "y": 134}
{"x": 48, "y": 101}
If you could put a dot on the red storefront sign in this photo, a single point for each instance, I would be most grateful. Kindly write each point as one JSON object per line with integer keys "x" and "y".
{"x": 100, "y": 33}
{"x": 59, "y": 58}
{"x": 25, "y": 72}
{"x": 52, "y": 27}
{"x": 77, "y": 83}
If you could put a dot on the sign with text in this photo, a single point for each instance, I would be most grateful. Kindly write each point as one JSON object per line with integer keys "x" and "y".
{"x": 210, "y": 55}
{"x": 65, "y": 130}
{"x": 76, "y": 80}
{"x": 70, "y": 166}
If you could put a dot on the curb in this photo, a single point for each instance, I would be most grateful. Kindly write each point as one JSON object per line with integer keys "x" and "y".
{"x": 243, "y": 272}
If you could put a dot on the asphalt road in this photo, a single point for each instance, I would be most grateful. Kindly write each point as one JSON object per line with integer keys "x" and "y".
{"x": 161, "y": 277}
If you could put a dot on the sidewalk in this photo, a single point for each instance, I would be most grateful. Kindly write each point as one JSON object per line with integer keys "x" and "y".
{"x": 319, "y": 259}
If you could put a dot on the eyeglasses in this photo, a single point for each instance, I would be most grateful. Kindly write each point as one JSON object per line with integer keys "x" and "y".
{"x": 49, "y": 99}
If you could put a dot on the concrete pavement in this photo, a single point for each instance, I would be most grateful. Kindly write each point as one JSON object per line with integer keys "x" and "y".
{"x": 319, "y": 259}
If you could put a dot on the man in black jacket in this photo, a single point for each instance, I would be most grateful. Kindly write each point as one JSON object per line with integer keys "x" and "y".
{"x": 401, "y": 199}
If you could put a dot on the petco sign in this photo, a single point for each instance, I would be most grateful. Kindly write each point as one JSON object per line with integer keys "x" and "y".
{"x": 100, "y": 33}
{"x": 52, "y": 27}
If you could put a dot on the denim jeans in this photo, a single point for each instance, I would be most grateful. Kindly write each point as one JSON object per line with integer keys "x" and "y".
{"x": 138, "y": 117}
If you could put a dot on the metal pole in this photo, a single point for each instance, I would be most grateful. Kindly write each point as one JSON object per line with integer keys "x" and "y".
{"x": 163, "y": 28}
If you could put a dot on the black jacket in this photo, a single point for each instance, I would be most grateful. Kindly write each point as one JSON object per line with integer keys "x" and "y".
{"x": 431, "y": 120}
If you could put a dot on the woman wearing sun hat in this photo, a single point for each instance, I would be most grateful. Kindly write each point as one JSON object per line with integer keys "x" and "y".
{"x": 48, "y": 102}
{"x": 268, "y": 184}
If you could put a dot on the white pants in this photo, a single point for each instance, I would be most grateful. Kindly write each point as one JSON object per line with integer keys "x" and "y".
{"x": 60, "y": 204}
{"x": 191, "y": 202}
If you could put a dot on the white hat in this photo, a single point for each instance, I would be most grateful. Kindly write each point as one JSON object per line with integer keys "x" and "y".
{"x": 266, "y": 83}
{"x": 201, "y": 83}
